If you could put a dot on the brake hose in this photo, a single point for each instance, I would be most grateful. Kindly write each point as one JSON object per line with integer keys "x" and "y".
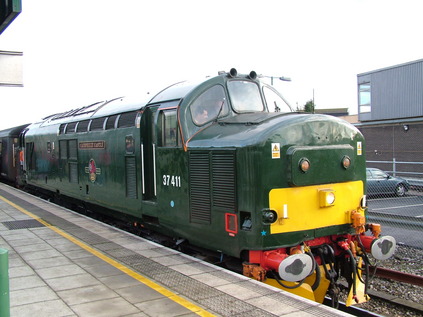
{"x": 366, "y": 265}
{"x": 354, "y": 272}
{"x": 330, "y": 274}
{"x": 317, "y": 269}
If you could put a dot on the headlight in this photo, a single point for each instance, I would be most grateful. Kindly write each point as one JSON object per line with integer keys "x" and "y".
{"x": 326, "y": 197}
{"x": 346, "y": 162}
{"x": 304, "y": 165}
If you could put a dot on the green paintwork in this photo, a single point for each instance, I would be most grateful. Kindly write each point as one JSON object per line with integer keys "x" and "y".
{"x": 239, "y": 146}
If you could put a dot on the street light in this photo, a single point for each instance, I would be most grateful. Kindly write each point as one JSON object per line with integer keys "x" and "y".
{"x": 283, "y": 78}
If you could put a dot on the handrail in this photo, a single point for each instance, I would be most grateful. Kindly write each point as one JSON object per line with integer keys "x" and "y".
{"x": 394, "y": 163}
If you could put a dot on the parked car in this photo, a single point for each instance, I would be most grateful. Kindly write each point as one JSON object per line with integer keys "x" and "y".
{"x": 380, "y": 182}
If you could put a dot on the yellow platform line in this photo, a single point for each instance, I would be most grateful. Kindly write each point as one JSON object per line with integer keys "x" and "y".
{"x": 153, "y": 285}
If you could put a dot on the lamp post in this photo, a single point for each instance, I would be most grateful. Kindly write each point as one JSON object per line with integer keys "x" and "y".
{"x": 283, "y": 78}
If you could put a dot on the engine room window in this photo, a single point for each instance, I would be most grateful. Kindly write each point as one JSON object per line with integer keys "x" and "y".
{"x": 209, "y": 105}
{"x": 70, "y": 128}
{"x": 127, "y": 119}
{"x": 245, "y": 96}
{"x": 110, "y": 124}
{"x": 274, "y": 101}
{"x": 82, "y": 126}
{"x": 169, "y": 128}
{"x": 96, "y": 124}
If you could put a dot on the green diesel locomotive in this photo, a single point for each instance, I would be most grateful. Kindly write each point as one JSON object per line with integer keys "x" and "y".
{"x": 209, "y": 162}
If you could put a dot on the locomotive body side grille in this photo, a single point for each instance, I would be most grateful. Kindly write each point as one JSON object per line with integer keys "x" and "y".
{"x": 212, "y": 180}
{"x": 199, "y": 180}
{"x": 131, "y": 177}
{"x": 223, "y": 180}
{"x": 73, "y": 172}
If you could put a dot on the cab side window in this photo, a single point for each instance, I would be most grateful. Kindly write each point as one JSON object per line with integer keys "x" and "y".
{"x": 209, "y": 105}
{"x": 169, "y": 128}
{"x": 274, "y": 101}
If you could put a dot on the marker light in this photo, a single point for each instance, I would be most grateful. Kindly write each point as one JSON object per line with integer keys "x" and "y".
{"x": 346, "y": 162}
{"x": 363, "y": 202}
{"x": 269, "y": 216}
{"x": 326, "y": 197}
{"x": 304, "y": 165}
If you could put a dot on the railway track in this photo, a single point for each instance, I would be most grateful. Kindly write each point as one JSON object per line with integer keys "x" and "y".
{"x": 397, "y": 276}
{"x": 353, "y": 310}
{"x": 395, "y": 301}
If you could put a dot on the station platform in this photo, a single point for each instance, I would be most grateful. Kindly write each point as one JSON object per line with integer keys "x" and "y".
{"x": 64, "y": 264}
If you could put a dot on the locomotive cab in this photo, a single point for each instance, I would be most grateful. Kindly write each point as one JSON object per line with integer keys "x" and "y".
{"x": 224, "y": 99}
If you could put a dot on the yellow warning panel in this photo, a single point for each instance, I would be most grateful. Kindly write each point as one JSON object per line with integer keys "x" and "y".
{"x": 276, "y": 150}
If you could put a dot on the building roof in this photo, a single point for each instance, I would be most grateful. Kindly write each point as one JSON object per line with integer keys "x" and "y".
{"x": 390, "y": 67}
{"x": 337, "y": 112}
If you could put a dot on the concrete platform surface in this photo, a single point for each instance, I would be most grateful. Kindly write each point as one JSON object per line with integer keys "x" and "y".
{"x": 64, "y": 264}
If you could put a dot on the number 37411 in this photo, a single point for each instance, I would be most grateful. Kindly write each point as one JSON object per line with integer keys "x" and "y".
{"x": 172, "y": 180}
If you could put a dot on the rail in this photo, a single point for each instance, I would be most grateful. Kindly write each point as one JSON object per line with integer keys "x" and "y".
{"x": 397, "y": 276}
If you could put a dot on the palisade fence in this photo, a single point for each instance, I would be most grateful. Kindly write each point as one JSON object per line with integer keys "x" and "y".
{"x": 400, "y": 217}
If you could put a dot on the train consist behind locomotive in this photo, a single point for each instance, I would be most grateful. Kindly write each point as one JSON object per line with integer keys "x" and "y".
{"x": 209, "y": 164}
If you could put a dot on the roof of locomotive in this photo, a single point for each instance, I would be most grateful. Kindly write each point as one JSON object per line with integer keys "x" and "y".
{"x": 98, "y": 109}
{"x": 120, "y": 104}
{"x": 13, "y": 132}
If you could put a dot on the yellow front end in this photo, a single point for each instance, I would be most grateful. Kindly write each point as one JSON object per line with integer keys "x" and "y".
{"x": 312, "y": 207}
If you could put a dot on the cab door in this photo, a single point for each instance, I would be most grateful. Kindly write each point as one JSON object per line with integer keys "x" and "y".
{"x": 148, "y": 154}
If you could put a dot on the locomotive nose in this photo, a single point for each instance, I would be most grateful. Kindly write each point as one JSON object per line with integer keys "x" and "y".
{"x": 296, "y": 267}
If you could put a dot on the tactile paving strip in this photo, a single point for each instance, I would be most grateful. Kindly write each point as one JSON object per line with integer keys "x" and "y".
{"x": 22, "y": 224}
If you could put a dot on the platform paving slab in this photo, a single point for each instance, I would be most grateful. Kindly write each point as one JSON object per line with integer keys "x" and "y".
{"x": 53, "y": 308}
{"x": 110, "y": 307}
{"x": 86, "y": 294}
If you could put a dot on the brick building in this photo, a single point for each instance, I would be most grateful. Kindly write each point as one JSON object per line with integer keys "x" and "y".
{"x": 390, "y": 115}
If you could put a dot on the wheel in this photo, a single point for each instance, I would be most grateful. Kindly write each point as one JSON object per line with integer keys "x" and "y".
{"x": 400, "y": 190}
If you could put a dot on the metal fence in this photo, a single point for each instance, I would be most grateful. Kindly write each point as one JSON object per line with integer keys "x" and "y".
{"x": 399, "y": 212}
